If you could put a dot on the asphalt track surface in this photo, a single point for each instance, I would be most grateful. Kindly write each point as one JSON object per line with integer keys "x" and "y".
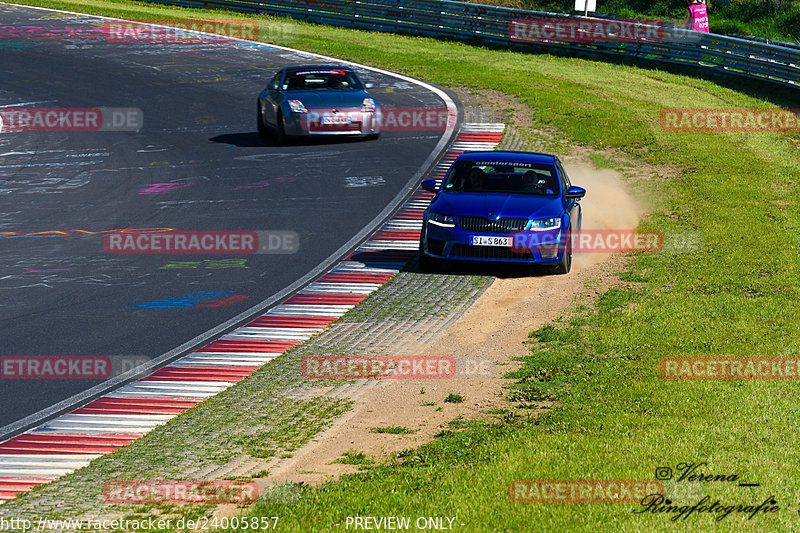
{"x": 63, "y": 294}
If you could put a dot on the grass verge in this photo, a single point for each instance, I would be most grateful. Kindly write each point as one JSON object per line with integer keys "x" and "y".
{"x": 393, "y": 430}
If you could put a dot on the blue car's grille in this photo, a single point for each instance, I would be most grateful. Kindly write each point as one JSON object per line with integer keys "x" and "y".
{"x": 484, "y": 225}
{"x": 488, "y": 252}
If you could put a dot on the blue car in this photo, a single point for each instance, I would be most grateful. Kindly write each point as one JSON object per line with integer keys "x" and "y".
{"x": 317, "y": 100}
{"x": 502, "y": 207}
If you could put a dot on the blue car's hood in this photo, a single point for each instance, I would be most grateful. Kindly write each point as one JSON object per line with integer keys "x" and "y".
{"x": 500, "y": 204}
{"x": 328, "y": 98}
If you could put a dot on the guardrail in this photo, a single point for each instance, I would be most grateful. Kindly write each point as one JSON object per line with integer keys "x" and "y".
{"x": 496, "y": 26}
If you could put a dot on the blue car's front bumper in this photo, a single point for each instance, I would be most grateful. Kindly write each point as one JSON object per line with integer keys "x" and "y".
{"x": 545, "y": 247}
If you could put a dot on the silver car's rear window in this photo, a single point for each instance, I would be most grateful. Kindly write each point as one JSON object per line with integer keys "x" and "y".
{"x": 312, "y": 80}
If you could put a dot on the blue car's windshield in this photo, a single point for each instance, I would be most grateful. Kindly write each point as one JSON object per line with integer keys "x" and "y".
{"x": 502, "y": 177}
{"x": 324, "y": 79}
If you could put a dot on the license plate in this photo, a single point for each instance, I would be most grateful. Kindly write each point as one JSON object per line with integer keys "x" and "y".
{"x": 336, "y": 120}
{"x": 487, "y": 240}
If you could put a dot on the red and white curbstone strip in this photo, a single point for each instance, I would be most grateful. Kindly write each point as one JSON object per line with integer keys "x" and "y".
{"x": 73, "y": 440}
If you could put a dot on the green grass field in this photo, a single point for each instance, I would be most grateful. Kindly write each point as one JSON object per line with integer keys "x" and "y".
{"x": 772, "y": 19}
{"x": 616, "y": 418}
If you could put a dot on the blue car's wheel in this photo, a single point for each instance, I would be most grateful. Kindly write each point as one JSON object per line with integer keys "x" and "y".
{"x": 426, "y": 263}
{"x": 566, "y": 259}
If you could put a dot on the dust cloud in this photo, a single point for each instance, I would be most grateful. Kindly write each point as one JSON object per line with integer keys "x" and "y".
{"x": 607, "y": 205}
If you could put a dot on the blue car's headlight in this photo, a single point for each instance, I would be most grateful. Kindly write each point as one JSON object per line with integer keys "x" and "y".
{"x": 297, "y": 106}
{"x": 441, "y": 220}
{"x": 543, "y": 224}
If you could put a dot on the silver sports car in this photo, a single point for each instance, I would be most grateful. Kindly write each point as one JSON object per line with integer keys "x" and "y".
{"x": 317, "y": 100}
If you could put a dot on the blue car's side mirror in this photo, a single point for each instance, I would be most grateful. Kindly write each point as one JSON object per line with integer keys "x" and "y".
{"x": 369, "y": 85}
{"x": 575, "y": 192}
{"x": 429, "y": 185}
{"x": 272, "y": 86}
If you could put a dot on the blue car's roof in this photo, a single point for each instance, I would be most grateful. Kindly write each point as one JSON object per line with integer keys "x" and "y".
{"x": 508, "y": 157}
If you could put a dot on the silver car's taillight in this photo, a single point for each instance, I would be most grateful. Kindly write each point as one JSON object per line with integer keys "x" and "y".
{"x": 368, "y": 105}
{"x": 297, "y": 106}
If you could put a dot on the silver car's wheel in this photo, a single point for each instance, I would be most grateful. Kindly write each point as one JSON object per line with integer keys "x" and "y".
{"x": 280, "y": 128}
{"x": 263, "y": 131}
